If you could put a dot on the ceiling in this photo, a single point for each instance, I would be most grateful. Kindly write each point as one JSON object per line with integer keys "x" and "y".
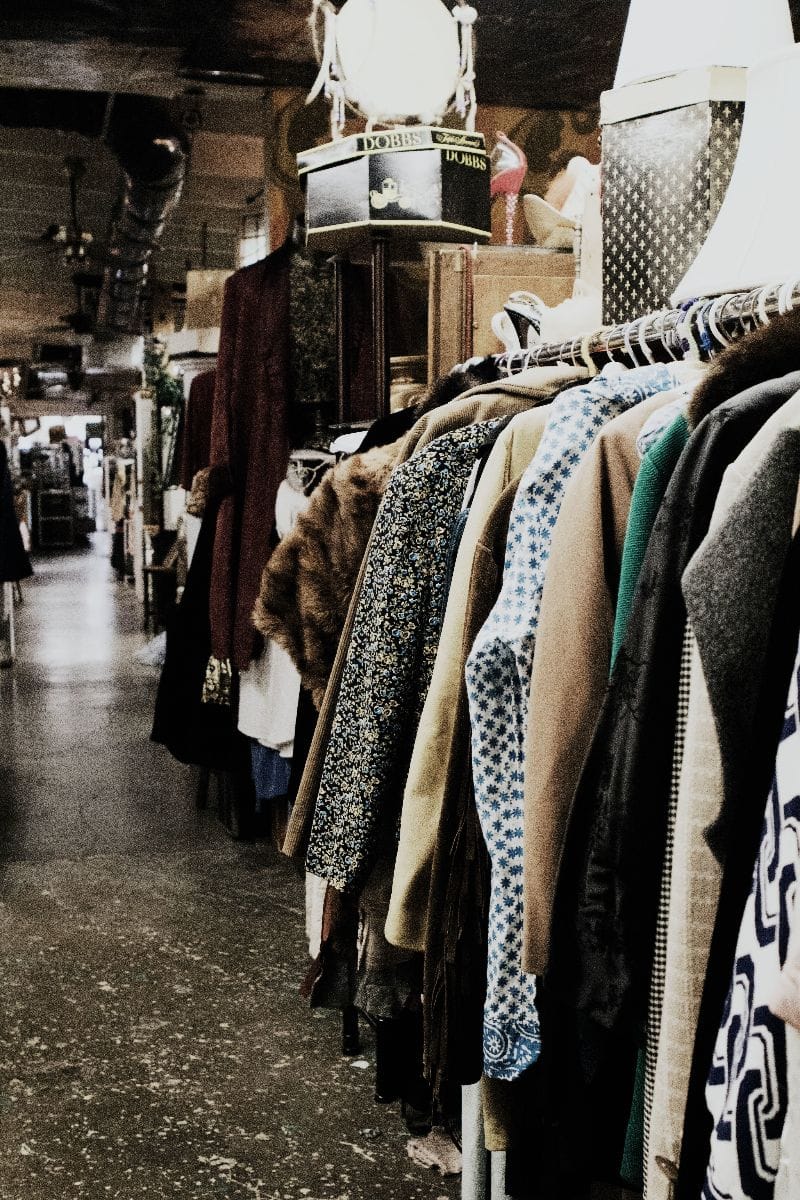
{"x": 62, "y": 60}
{"x": 531, "y": 53}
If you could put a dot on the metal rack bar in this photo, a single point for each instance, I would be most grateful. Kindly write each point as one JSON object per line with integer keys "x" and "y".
{"x": 697, "y": 329}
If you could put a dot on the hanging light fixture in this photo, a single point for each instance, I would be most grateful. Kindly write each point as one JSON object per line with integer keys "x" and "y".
{"x": 392, "y": 61}
{"x": 73, "y": 241}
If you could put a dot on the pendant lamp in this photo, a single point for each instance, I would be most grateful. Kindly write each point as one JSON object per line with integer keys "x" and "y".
{"x": 688, "y": 34}
{"x": 395, "y": 60}
{"x": 755, "y": 239}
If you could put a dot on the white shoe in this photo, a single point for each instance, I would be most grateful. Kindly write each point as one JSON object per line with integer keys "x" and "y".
{"x": 554, "y": 228}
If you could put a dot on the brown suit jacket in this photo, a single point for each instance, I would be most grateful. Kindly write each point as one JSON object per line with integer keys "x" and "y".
{"x": 573, "y": 656}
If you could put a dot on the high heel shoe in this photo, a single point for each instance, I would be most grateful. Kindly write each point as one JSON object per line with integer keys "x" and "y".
{"x": 555, "y": 218}
{"x": 510, "y": 169}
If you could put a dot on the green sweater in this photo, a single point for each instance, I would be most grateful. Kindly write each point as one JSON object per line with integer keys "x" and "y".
{"x": 651, "y": 484}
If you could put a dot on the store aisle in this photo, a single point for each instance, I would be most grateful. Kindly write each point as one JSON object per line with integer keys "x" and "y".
{"x": 152, "y": 1043}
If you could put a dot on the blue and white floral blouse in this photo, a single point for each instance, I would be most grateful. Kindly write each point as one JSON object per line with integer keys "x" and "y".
{"x": 498, "y": 677}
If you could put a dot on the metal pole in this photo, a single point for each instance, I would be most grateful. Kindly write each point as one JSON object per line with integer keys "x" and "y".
{"x": 475, "y": 1170}
{"x": 342, "y": 376}
{"x": 380, "y": 345}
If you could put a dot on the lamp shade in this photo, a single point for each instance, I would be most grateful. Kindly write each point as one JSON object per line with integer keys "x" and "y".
{"x": 686, "y": 34}
{"x": 400, "y": 58}
{"x": 755, "y": 239}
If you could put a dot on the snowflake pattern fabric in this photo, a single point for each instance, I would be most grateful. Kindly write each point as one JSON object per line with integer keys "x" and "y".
{"x": 747, "y": 1091}
{"x": 657, "y": 425}
{"x": 498, "y": 677}
{"x": 390, "y": 659}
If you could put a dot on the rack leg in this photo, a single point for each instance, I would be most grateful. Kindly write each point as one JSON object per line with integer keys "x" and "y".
{"x": 12, "y": 633}
{"x": 350, "y": 1037}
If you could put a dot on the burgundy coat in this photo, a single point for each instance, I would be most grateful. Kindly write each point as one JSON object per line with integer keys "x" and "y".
{"x": 249, "y": 435}
{"x": 195, "y": 447}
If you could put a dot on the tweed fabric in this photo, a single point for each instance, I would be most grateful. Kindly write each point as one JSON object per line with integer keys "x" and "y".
{"x": 657, "y": 981}
{"x": 606, "y": 904}
{"x": 498, "y": 676}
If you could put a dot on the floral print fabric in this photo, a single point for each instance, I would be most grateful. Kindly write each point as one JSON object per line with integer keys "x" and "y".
{"x": 391, "y": 655}
{"x": 498, "y": 677}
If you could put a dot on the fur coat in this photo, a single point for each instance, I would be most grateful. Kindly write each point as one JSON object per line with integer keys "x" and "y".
{"x": 307, "y": 585}
{"x": 767, "y": 353}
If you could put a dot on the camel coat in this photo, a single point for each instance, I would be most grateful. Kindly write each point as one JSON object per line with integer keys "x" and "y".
{"x": 696, "y": 873}
{"x": 428, "y": 776}
{"x": 503, "y": 399}
{"x": 573, "y": 655}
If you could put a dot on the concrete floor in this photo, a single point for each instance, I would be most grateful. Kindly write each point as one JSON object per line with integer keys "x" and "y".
{"x": 152, "y": 1042}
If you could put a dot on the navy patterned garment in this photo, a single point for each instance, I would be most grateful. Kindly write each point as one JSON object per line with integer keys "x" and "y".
{"x": 747, "y": 1092}
{"x": 498, "y": 678}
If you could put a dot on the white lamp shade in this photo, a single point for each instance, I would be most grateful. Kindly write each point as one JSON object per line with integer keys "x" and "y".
{"x": 755, "y": 239}
{"x": 400, "y": 58}
{"x": 686, "y": 34}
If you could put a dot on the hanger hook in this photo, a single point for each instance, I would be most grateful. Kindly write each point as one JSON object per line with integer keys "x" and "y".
{"x": 714, "y": 315}
{"x": 629, "y": 328}
{"x": 785, "y": 300}
{"x": 586, "y": 355}
{"x": 661, "y": 329}
{"x": 692, "y": 345}
{"x": 643, "y": 343}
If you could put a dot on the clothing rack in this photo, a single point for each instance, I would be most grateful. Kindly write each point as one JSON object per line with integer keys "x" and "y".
{"x": 698, "y": 329}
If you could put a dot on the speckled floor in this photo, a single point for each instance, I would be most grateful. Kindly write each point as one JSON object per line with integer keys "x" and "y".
{"x": 152, "y": 1042}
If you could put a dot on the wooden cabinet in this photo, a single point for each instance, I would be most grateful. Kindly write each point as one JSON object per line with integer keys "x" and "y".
{"x": 467, "y": 287}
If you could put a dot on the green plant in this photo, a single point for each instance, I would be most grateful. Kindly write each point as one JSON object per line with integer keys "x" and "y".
{"x": 167, "y": 390}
